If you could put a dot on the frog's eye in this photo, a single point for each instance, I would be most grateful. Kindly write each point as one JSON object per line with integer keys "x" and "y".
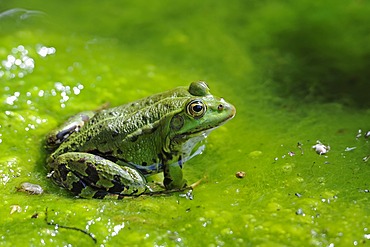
{"x": 196, "y": 108}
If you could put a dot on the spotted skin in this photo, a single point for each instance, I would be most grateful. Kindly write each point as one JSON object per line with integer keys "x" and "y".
{"x": 110, "y": 152}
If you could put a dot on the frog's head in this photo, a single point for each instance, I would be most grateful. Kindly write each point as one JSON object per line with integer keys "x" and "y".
{"x": 200, "y": 113}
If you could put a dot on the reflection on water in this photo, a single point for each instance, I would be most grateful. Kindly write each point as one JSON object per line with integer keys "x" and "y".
{"x": 17, "y": 64}
{"x": 19, "y": 14}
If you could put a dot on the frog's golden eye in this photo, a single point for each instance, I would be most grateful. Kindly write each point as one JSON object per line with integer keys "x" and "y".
{"x": 196, "y": 108}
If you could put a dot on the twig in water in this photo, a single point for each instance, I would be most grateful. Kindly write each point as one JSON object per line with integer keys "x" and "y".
{"x": 68, "y": 227}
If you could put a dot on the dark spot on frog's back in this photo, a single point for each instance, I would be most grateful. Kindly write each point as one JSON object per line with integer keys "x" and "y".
{"x": 73, "y": 146}
{"x": 115, "y": 133}
{"x": 81, "y": 160}
{"x": 65, "y": 150}
{"x": 92, "y": 173}
{"x": 133, "y": 138}
{"x": 88, "y": 137}
{"x": 144, "y": 119}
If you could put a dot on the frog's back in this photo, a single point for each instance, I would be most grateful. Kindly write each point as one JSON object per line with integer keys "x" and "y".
{"x": 109, "y": 128}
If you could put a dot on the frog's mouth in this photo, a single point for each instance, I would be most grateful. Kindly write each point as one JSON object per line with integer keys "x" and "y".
{"x": 208, "y": 128}
{"x": 204, "y": 131}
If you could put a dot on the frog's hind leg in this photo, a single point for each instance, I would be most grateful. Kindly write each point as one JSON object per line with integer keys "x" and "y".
{"x": 73, "y": 124}
{"x": 90, "y": 176}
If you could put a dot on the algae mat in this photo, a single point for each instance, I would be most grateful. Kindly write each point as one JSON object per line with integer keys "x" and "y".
{"x": 263, "y": 183}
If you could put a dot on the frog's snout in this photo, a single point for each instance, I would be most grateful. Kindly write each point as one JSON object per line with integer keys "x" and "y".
{"x": 227, "y": 108}
{"x": 232, "y": 110}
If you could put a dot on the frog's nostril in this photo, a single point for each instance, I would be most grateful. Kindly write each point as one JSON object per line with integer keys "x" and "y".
{"x": 220, "y": 107}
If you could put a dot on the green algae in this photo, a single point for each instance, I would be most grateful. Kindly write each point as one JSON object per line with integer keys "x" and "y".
{"x": 290, "y": 195}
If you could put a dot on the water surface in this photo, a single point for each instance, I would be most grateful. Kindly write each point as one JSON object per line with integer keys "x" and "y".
{"x": 59, "y": 59}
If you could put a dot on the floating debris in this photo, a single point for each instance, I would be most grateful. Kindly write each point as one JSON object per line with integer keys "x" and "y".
{"x": 35, "y": 216}
{"x": 321, "y": 148}
{"x": 363, "y": 190}
{"x": 300, "y": 212}
{"x": 367, "y": 134}
{"x": 359, "y": 133}
{"x": 240, "y": 174}
{"x": 349, "y": 149}
{"x": 299, "y": 145}
{"x": 365, "y": 159}
{"x": 51, "y": 223}
{"x": 188, "y": 195}
{"x": 298, "y": 194}
{"x": 15, "y": 208}
{"x": 32, "y": 189}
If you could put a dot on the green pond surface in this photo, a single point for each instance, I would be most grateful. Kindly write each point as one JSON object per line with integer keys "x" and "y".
{"x": 60, "y": 58}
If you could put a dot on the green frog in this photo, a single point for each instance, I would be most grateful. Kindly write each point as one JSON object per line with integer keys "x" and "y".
{"x": 111, "y": 152}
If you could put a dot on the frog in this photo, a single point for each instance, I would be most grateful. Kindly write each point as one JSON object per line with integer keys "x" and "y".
{"x": 111, "y": 152}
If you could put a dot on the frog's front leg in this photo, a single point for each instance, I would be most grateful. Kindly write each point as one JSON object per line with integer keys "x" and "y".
{"x": 73, "y": 124}
{"x": 173, "y": 178}
{"x": 89, "y": 175}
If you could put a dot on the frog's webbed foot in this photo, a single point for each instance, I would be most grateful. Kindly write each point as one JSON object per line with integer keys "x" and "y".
{"x": 90, "y": 176}
{"x": 195, "y": 184}
{"x": 188, "y": 189}
{"x": 165, "y": 192}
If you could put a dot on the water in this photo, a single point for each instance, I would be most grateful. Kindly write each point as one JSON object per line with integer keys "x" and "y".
{"x": 60, "y": 61}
